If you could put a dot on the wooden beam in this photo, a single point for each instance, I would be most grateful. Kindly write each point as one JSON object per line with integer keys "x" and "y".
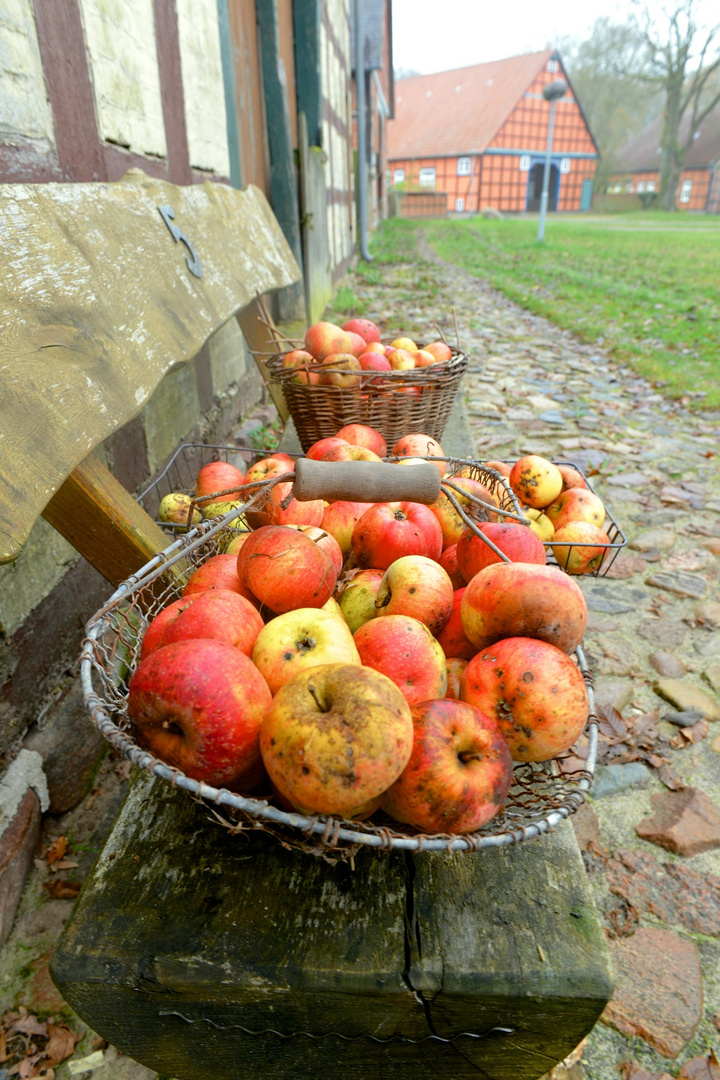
{"x": 95, "y": 513}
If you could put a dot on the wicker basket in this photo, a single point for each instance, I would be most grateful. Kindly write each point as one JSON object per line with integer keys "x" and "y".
{"x": 395, "y": 403}
{"x": 542, "y": 795}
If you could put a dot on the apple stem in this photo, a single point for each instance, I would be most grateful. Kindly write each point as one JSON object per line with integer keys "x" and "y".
{"x": 322, "y": 706}
{"x": 467, "y": 757}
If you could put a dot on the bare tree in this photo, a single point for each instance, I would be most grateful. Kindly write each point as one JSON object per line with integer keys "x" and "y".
{"x": 682, "y": 60}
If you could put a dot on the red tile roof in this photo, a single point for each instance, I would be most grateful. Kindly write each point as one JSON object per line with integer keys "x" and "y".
{"x": 642, "y": 153}
{"x": 459, "y": 111}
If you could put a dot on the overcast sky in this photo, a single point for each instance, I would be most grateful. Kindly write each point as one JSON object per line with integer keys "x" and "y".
{"x": 436, "y": 35}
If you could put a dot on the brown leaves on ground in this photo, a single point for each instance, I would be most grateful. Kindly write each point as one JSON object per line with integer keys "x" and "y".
{"x": 30, "y": 1047}
{"x": 701, "y": 1068}
{"x": 61, "y": 889}
{"x": 630, "y": 1071}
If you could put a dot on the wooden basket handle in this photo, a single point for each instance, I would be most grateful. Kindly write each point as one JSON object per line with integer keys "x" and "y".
{"x": 366, "y": 481}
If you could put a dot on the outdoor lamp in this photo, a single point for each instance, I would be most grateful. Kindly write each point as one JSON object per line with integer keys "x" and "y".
{"x": 551, "y": 93}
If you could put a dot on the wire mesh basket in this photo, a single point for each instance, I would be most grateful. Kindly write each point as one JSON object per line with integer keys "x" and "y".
{"x": 395, "y": 403}
{"x": 541, "y": 796}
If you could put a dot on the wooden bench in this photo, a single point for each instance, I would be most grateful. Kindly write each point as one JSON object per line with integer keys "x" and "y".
{"x": 200, "y": 953}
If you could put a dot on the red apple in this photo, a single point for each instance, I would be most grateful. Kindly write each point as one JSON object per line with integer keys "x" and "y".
{"x": 535, "y": 691}
{"x": 572, "y": 477}
{"x": 268, "y": 510}
{"x": 336, "y": 737}
{"x": 459, "y": 772}
{"x": 350, "y": 453}
{"x": 305, "y": 366}
{"x": 420, "y": 446}
{"x": 440, "y": 351}
{"x": 267, "y": 468}
{"x": 285, "y": 569}
{"x": 373, "y": 362}
{"x": 358, "y": 344}
{"x": 448, "y": 561}
{"x": 455, "y": 670}
{"x": 424, "y": 359}
{"x": 340, "y": 518}
{"x": 218, "y": 476}
{"x": 197, "y": 705}
{"x": 363, "y": 435}
{"x": 518, "y": 542}
{"x": 387, "y": 531}
{"x": 576, "y": 504}
{"x": 452, "y": 639}
{"x": 220, "y": 614}
{"x": 524, "y": 600}
{"x": 417, "y": 586}
{"x": 323, "y": 339}
{"x": 321, "y": 447}
{"x": 404, "y": 649}
{"x": 364, "y": 327}
{"x": 501, "y": 467}
{"x": 375, "y": 347}
{"x": 299, "y": 640}
{"x": 580, "y": 547}
{"x": 357, "y": 599}
{"x": 536, "y": 481}
{"x": 325, "y": 541}
{"x": 219, "y": 572}
{"x": 154, "y": 635}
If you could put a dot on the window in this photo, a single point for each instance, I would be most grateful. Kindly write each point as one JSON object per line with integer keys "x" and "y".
{"x": 650, "y": 185}
{"x": 553, "y": 66}
{"x": 616, "y": 188}
{"x": 685, "y": 191}
{"x": 525, "y": 163}
{"x": 427, "y": 178}
{"x": 459, "y": 205}
{"x": 398, "y": 176}
{"x": 565, "y": 165}
{"x": 640, "y": 187}
{"x": 629, "y": 186}
{"x": 463, "y": 166}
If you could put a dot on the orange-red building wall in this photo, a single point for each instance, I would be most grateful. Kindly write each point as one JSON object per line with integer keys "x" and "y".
{"x": 701, "y": 179}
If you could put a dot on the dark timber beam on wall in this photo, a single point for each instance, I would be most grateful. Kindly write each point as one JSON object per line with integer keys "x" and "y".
{"x": 167, "y": 40}
{"x": 283, "y": 181}
{"x": 62, "y": 49}
{"x": 229, "y": 88}
{"x": 306, "y": 26}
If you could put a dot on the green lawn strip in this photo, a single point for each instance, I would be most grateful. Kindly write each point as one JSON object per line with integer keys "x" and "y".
{"x": 649, "y": 297}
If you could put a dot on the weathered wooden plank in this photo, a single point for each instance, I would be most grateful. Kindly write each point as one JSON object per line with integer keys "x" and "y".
{"x": 98, "y": 303}
{"x": 95, "y": 513}
{"x": 313, "y": 204}
{"x": 253, "y": 324}
{"x": 193, "y": 950}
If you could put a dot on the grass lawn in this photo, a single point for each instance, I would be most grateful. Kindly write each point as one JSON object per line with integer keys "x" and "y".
{"x": 644, "y": 286}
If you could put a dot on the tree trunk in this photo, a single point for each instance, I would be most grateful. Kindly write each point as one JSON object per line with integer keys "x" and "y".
{"x": 672, "y": 159}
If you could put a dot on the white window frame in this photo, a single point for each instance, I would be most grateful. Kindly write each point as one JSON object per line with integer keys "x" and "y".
{"x": 650, "y": 185}
{"x": 524, "y": 163}
{"x": 463, "y": 166}
{"x": 628, "y": 187}
{"x": 427, "y": 177}
{"x": 459, "y": 205}
{"x": 553, "y": 66}
{"x": 686, "y": 191}
{"x": 565, "y": 165}
{"x": 398, "y": 176}
{"x": 640, "y": 187}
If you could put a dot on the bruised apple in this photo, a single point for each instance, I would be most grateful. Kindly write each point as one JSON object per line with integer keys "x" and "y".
{"x": 518, "y": 542}
{"x": 364, "y": 327}
{"x": 572, "y": 477}
{"x": 324, "y": 540}
{"x": 404, "y": 649}
{"x": 387, "y": 531}
{"x": 342, "y": 370}
{"x": 304, "y": 365}
{"x": 336, "y": 737}
{"x": 197, "y": 705}
{"x": 580, "y": 547}
{"x": 459, "y": 772}
{"x": 268, "y": 467}
{"x": 417, "y": 586}
{"x": 534, "y": 690}
{"x": 535, "y": 480}
{"x": 285, "y": 569}
{"x": 524, "y": 600}
{"x": 455, "y": 670}
{"x": 299, "y": 640}
{"x": 175, "y": 509}
{"x": 576, "y": 504}
{"x": 357, "y": 600}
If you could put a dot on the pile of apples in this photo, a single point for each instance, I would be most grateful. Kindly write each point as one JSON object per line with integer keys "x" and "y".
{"x": 352, "y": 355}
{"x": 567, "y": 516}
{"x": 343, "y": 658}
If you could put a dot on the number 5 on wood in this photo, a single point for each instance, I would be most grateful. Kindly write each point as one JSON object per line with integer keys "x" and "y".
{"x": 168, "y": 214}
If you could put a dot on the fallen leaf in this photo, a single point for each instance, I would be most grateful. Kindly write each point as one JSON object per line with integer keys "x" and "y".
{"x": 60, "y": 889}
{"x": 670, "y": 778}
{"x": 611, "y": 723}
{"x": 29, "y": 1025}
{"x": 64, "y": 864}
{"x": 56, "y": 850}
{"x": 630, "y": 1071}
{"x": 61, "y": 1043}
{"x": 701, "y": 1068}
